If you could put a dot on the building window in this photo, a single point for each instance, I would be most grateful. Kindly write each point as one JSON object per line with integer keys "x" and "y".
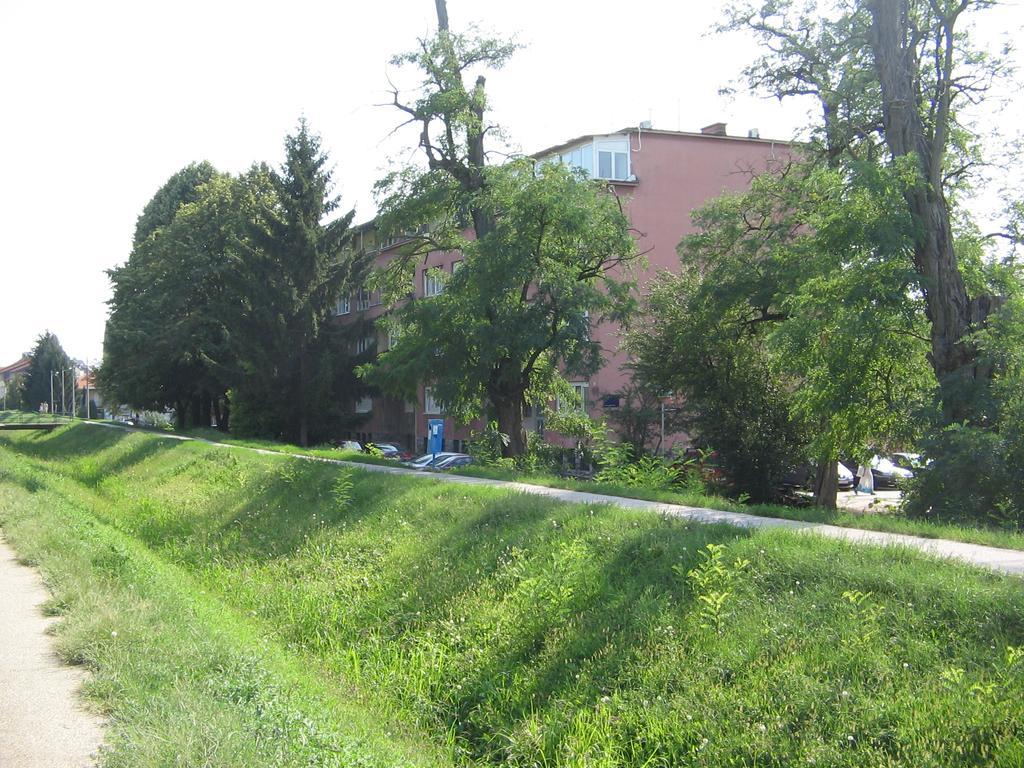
{"x": 363, "y": 299}
{"x": 365, "y": 344}
{"x": 392, "y": 339}
{"x": 364, "y": 405}
{"x": 456, "y": 266}
{"x": 430, "y": 405}
{"x": 433, "y": 283}
{"x": 611, "y": 401}
{"x": 613, "y": 159}
{"x": 344, "y": 305}
{"x": 581, "y": 158}
{"x": 579, "y": 389}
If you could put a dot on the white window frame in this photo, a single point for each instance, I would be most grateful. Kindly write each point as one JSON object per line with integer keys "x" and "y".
{"x": 613, "y": 145}
{"x": 344, "y": 306}
{"x": 433, "y": 283}
{"x": 365, "y": 343}
{"x": 364, "y": 404}
{"x": 362, "y": 300}
{"x": 580, "y": 389}
{"x": 430, "y": 405}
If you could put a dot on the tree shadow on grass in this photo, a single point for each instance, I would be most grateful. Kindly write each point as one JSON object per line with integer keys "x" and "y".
{"x": 275, "y": 513}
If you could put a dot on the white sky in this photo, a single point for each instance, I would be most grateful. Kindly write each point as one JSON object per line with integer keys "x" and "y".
{"x": 102, "y": 102}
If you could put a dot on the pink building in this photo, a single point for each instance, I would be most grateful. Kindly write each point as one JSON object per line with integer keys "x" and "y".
{"x": 662, "y": 177}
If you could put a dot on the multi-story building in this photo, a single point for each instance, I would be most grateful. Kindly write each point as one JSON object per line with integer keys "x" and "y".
{"x": 662, "y": 177}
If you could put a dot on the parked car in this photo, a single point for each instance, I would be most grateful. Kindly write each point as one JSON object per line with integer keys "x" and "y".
{"x": 911, "y": 461}
{"x": 846, "y": 477}
{"x": 887, "y": 474}
{"x": 390, "y": 451}
{"x": 803, "y": 477}
{"x": 351, "y": 445}
{"x": 451, "y": 462}
{"x": 427, "y": 459}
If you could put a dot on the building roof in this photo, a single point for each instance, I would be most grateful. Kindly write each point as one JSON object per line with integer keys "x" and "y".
{"x": 659, "y": 132}
{"x": 18, "y": 367}
{"x": 369, "y": 224}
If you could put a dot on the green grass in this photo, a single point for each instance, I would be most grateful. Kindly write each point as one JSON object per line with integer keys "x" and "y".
{"x": 518, "y": 631}
{"x": 890, "y": 521}
{"x": 184, "y": 678}
{"x": 320, "y": 451}
{"x": 30, "y": 417}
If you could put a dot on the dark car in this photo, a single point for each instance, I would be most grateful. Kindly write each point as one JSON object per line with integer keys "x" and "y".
{"x": 451, "y": 462}
{"x": 803, "y": 477}
{"x": 887, "y": 473}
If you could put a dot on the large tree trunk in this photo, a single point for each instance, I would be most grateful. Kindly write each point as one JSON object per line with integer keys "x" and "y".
{"x": 826, "y": 482}
{"x": 509, "y": 411}
{"x": 949, "y": 308}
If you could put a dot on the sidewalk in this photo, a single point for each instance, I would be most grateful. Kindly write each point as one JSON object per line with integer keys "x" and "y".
{"x": 42, "y": 724}
{"x": 1009, "y": 561}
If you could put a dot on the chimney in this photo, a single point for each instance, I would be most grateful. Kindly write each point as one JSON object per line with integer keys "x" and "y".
{"x": 715, "y": 129}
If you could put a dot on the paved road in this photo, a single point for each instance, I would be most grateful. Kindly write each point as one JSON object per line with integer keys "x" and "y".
{"x": 42, "y": 724}
{"x": 1010, "y": 561}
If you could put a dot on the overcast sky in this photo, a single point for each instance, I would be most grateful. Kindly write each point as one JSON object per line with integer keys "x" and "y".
{"x": 101, "y": 102}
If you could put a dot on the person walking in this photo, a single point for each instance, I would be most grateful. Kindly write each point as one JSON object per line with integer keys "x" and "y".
{"x": 865, "y": 480}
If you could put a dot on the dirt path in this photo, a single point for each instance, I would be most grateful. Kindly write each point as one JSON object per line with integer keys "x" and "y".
{"x": 42, "y": 723}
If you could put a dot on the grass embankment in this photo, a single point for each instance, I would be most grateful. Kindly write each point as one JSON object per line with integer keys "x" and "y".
{"x": 185, "y": 678}
{"x": 30, "y": 417}
{"x": 888, "y": 521}
{"x": 520, "y": 631}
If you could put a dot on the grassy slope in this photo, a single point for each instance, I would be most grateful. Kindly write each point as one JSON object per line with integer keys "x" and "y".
{"x": 186, "y": 679}
{"x": 533, "y": 633}
{"x": 890, "y": 522}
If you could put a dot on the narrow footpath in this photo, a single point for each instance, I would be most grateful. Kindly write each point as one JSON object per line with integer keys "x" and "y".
{"x": 1008, "y": 561}
{"x": 42, "y": 722}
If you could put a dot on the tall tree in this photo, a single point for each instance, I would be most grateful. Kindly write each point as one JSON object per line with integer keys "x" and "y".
{"x": 518, "y": 309}
{"x": 540, "y": 249}
{"x": 890, "y": 76}
{"x": 164, "y": 331}
{"x": 48, "y": 360}
{"x": 792, "y": 329}
{"x": 294, "y": 263}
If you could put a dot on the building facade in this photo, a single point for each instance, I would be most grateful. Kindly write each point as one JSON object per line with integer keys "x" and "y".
{"x": 661, "y": 177}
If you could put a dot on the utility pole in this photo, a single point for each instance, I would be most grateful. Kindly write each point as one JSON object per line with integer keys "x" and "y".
{"x": 88, "y": 400}
{"x": 51, "y": 390}
{"x": 74, "y": 395}
{"x": 63, "y": 396}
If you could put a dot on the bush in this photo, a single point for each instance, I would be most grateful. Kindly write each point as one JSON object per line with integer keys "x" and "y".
{"x": 972, "y": 479}
{"x": 977, "y": 472}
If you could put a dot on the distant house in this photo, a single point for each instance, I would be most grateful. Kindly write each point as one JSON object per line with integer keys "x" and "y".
{"x": 661, "y": 177}
{"x": 90, "y": 404}
{"x": 10, "y": 372}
